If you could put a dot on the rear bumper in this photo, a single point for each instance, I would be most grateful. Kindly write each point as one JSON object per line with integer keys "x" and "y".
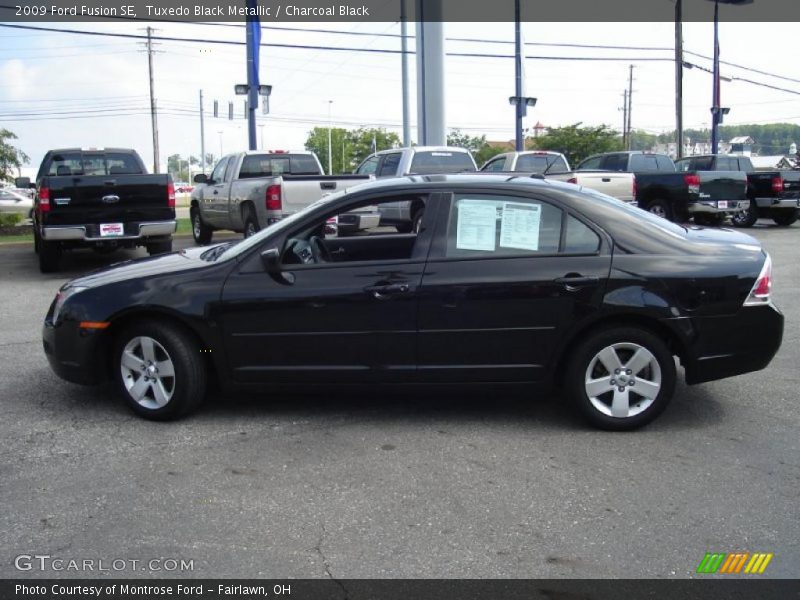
{"x": 722, "y": 207}
{"x": 778, "y": 203}
{"x": 90, "y": 233}
{"x": 733, "y": 345}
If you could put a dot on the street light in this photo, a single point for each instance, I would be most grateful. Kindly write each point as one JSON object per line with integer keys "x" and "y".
{"x": 521, "y": 103}
{"x": 220, "y": 143}
{"x": 330, "y": 144}
{"x": 717, "y": 111}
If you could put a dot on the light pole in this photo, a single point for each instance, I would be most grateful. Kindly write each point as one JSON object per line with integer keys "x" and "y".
{"x": 330, "y": 140}
{"x": 261, "y": 135}
{"x": 718, "y": 111}
{"x": 220, "y": 143}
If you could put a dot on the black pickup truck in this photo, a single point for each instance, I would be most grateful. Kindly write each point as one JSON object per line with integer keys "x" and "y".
{"x": 708, "y": 196}
{"x": 773, "y": 194}
{"x": 100, "y": 199}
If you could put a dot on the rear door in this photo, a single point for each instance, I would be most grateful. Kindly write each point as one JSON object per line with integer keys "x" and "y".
{"x": 506, "y": 276}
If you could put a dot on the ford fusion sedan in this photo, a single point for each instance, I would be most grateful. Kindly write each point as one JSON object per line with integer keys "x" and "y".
{"x": 507, "y": 280}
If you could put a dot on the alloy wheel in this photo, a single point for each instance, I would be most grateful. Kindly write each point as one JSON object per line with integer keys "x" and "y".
{"x": 148, "y": 372}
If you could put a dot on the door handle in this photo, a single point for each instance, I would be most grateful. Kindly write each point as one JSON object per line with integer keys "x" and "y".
{"x": 572, "y": 282}
{"x": 339, "y": 251}
{"x": 384, "y": 292}
{"x": 605, "y": 179}
{"x": 327, "y": 185}
{"x": 216, "y": 192}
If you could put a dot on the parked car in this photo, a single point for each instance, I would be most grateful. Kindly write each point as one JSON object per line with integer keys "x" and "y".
{"x": 707, "y": 196}
{"x": 11, "y": 201}
{"x": 554, "y": 165}
{"x": 418, "y": 160}
{"x": 772, "y": 194}
{"x": 247, "y": 191}
{"x": 508, "y": 280}
{"x": 100, "y": 199}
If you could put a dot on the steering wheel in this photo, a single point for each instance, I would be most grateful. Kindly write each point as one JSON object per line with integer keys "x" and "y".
{"x": 319, "y": 249}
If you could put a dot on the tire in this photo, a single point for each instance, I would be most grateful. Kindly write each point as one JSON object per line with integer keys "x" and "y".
{"x": 250, "y": 223}
{"x": 49, "y": 256}
{"x": 784, "y": 218}
{"x": 709, "y": 220}
{"x": 660, "y": 208}
{"x": 200, "y": 231}
{"x": 746, "y": 218}
{"x": 404, "y": 227}
{"x": 592, "y": 368}
{"x": 416, "y": 222}
{"x": 36, "y": 241}
{"x": 159, "y": 346}
{"x": 163, "y": 247}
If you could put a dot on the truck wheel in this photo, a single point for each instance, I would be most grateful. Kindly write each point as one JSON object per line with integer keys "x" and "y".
{"x": 49, "y": 256}
{"x": 162, "y": 247}
{"x": 746, "y": 218}
{"x": 250, "y": 223}
{"x": 416, "y": 223}
{"x": 36, "y": 241}
{"x": 660, "y": 208}
{"x": 200, "y": 231}
{"x": 159, "y": 370}
{"x": 784, "y": 218}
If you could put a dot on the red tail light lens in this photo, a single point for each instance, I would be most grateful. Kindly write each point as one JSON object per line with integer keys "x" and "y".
{"x": 777, "y": 184}
{"x": 44, "y": 199}
{"x": 573, "y": 180}
{"x": 760, "y": 294}
{"x": 692, "y": 180}
{"x": 274, "y": 198}
{"x": 171, "y": 195}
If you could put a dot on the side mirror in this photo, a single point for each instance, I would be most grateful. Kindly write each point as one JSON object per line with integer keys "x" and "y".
{"x": 23, "y": 183}
{"x": 271, "y": 259}
{"x": 201, "y": 178}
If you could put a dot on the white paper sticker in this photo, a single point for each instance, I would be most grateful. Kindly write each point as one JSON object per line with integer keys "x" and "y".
{"x": 477, "y": 225}
{"x": 520, "y": 226}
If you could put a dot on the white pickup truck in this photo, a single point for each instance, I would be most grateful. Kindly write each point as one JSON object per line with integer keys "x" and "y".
{"x": 554, "y": 165}
{"x": 247, "y": 191}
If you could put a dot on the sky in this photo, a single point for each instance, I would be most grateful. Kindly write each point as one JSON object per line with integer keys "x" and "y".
{"x": 63, "y": 90}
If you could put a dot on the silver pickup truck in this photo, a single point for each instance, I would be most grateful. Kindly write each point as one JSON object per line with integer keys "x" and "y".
{"x": 247, "y": 191}
{"x": 554, "y": 165}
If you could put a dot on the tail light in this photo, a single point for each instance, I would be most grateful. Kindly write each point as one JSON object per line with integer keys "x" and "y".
{"x": 573, "y": 180}
{"x": 693, "y": 182}
{"x": 44, "y": 199}
{"x": 274, "y": 198}
{"x": 760, "y": 294}
{"x": 777, "y": 184}
{"x": 171, "y": 195}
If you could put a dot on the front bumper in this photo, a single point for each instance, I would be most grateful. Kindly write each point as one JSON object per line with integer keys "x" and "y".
{"x": 76, "y": 355}
{"x": 721, "y": 207}
{"x": 91, "y": 233}
{"x": 733, "y": 344}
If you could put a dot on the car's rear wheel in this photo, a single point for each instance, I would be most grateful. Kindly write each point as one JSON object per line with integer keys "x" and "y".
{"x": 200, "y": 231}
{"x": 250, "y": 222}
{"x": 660, "y": 208}
{"x": 621, "y": 378}
{"x": 159, "y": 370}
{"x": 746, "y": 218}
{"x": 49, "y": 256}
{"x": 784, "y": 218}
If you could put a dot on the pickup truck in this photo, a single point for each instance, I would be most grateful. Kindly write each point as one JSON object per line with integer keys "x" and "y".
{"x": 102, "y": 199}
{"x": 247, "y": 191}
{"x": 707, "y": 196}
{"x": 419, "y": 160}
{"x": 554, "y": 165}
{"x": 772, "y": 194}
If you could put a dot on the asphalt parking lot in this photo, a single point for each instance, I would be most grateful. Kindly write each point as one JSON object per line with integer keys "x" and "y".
{"x": 401, "y": 485}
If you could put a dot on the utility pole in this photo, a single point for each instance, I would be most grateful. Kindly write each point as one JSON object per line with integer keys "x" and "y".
{"x": 630, "y": 107}
{"x": 253, "y": 39}
{"x": 678, "y": 78}
{"x": 625, "y": 118}
{"x": 520, "y": 107}
{"x": 330, "y": 139}
{"x": 153, "y": 110}
{"x": 202, "y": 137}
{"x": 404, "y": 73}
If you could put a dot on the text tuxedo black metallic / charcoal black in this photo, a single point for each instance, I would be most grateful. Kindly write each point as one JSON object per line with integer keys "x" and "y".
{"x": 506, "y": 280}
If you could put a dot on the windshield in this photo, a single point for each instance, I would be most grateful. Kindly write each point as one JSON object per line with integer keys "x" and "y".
{"x": 255, "y": 240}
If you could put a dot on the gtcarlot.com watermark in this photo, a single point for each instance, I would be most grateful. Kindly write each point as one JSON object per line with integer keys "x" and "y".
{"x": 48, "y": 563}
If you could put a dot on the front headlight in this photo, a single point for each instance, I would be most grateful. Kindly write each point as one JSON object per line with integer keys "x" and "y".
{"x": 62, "y": 296}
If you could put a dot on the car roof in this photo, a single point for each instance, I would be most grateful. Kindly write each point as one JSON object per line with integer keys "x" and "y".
{"x": 425, "y": 149}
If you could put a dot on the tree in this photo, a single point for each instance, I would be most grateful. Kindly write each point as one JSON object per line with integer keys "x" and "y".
{"x": 480, "y": 148}
{"x": 576, "y": 142}
{"x": 349, "y": 147}
{"x": 11, "y": 158}
{"x": 317, "y": 142}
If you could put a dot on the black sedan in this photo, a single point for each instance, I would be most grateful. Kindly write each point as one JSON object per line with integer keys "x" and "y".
{"x": 508, "y": 280}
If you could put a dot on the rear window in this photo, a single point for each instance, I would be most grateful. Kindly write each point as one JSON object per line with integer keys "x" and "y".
{"x": 272, "y": 165}
{"x": 94, "y": 163}
{"x": 644, "y": 162}
{"x": 539, "y": 163}
{"x": 440, "y": 161}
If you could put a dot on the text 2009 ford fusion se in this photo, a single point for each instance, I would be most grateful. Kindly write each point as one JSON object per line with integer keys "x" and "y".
{"x": 507, "y": 280}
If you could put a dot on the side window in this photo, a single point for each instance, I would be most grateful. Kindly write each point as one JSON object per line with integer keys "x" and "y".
{"x": 664, "y": 163}
{"x": 495, "y": 165}
{"x": 485, "y": 226}
{"x": 643, "y": 162}
{"x": 219, "y": 170}
{"x": 590, "y": 164}
{"x": 389, "y": 165}
{"x": 616, "y": 162}
{"x": 580, "y": 239}
{"x": 726, "y": 163}
{"x": 229, "y": 169}
{"x": 369, "y": 166}
{"x": 683, "y": 165}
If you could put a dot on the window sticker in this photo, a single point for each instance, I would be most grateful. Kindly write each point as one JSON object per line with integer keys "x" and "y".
{"x": 477, "y": 225}
{"x": 520, "y": 225}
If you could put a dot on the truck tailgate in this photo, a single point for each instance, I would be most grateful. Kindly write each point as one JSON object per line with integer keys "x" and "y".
{"x": 722, "y": 185}
{"x": 80, "y": 199}
{"x": 611, "y": 183}
{"x": 300, "y": 191}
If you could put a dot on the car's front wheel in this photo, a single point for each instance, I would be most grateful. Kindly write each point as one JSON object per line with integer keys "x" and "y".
{"x": 621, "y": 378}
{"x": 159, "y": 370}
{"x": 200, "y": 231}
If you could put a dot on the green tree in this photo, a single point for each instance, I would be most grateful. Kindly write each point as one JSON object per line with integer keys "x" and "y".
{"x": 641, "y": 140}
{"x": 11, "y": 158}
{"x": 349, "y": 147}
{"x": 576, "y": 142}
{"x": 317, "y": 142}
{"x": 480, "y": 148}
